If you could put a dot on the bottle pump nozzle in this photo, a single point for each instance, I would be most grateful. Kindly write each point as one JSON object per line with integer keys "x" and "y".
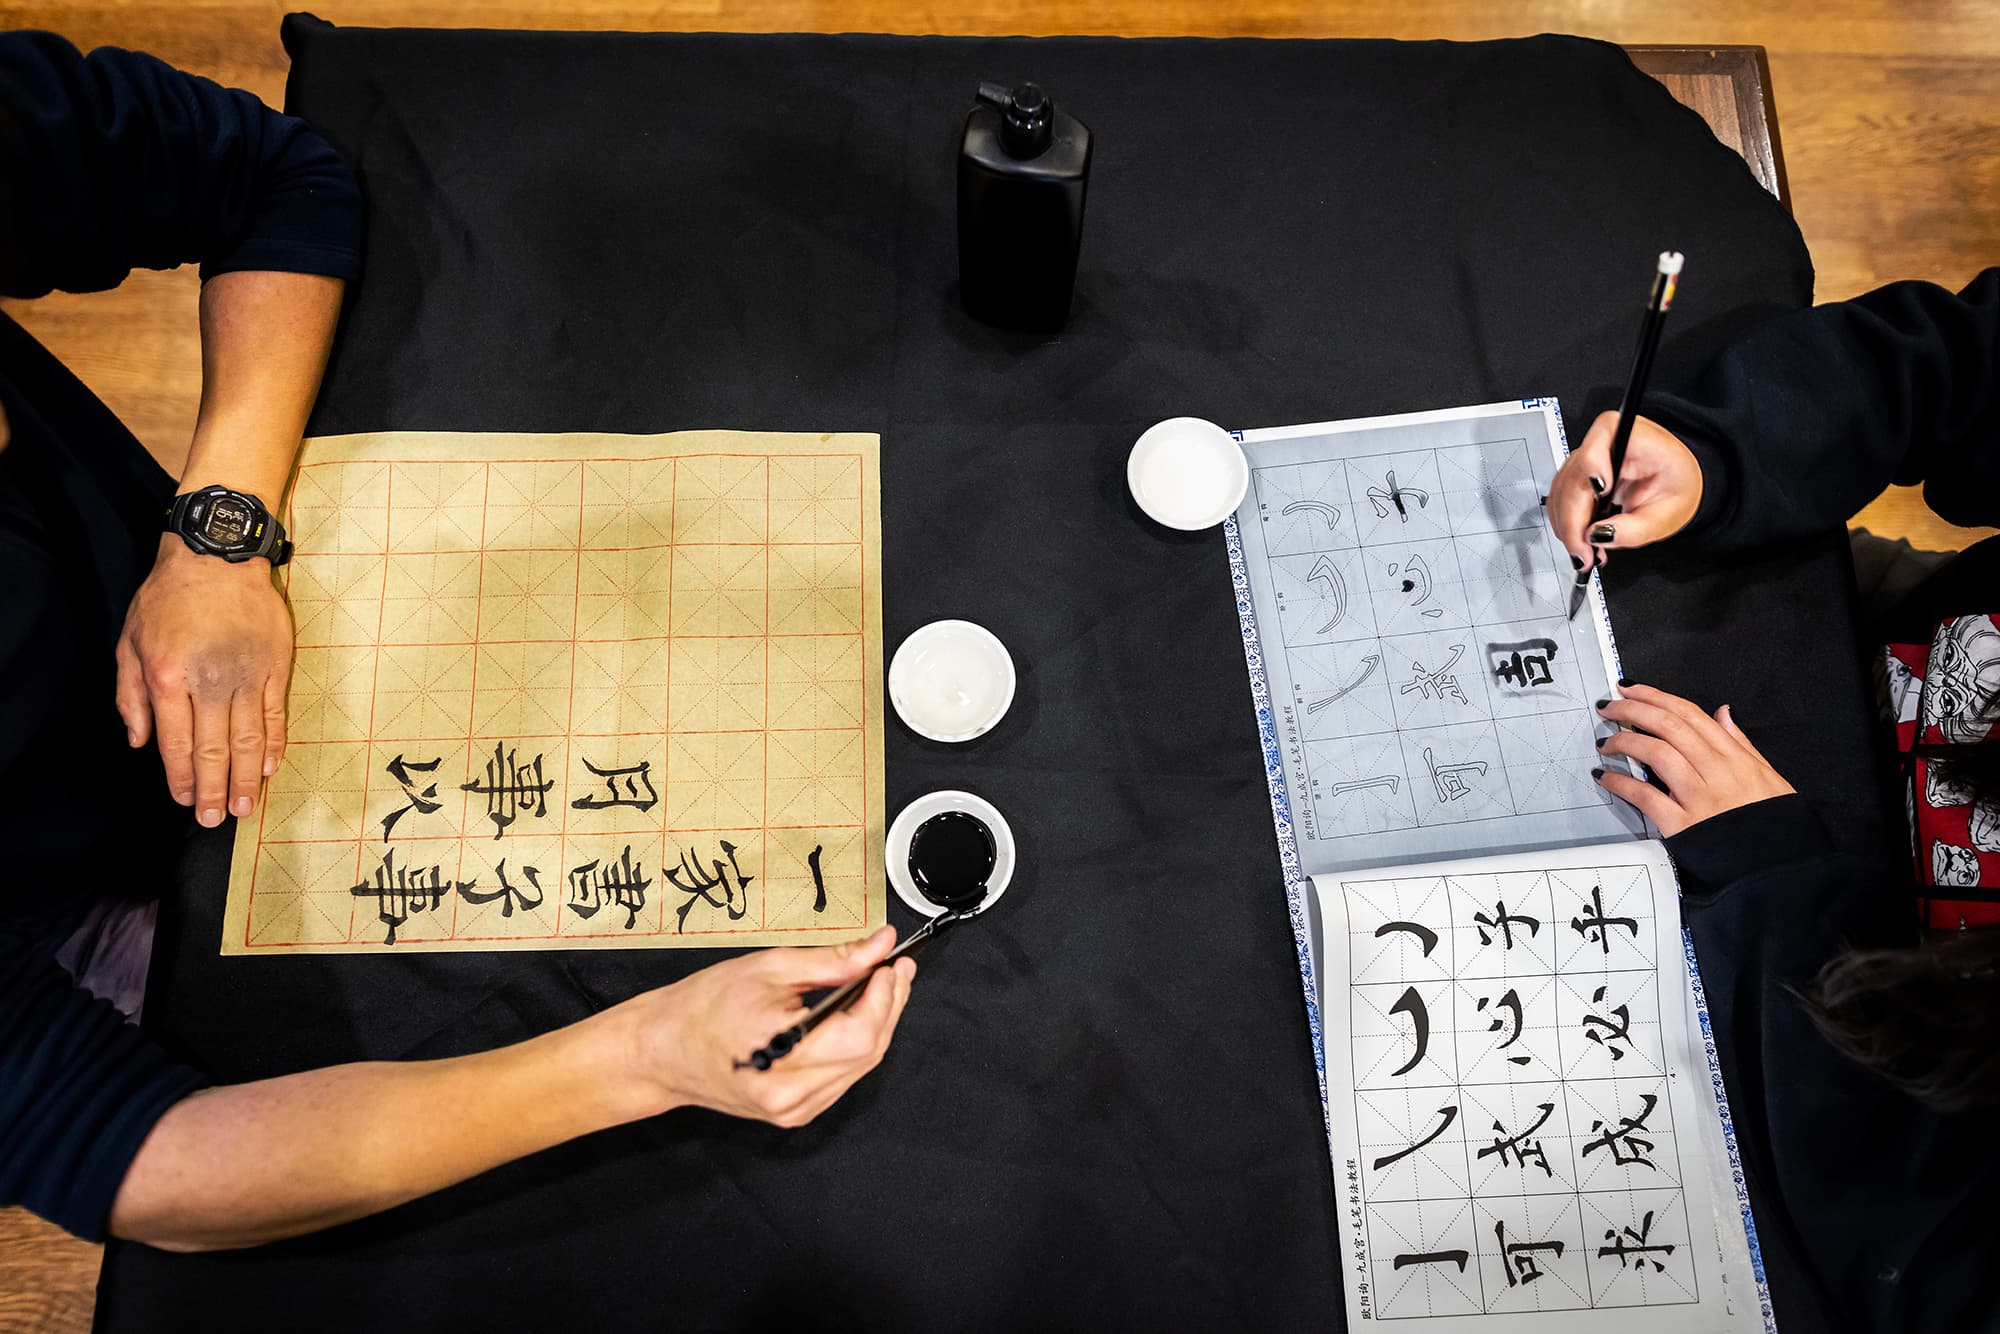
{"x": 1027, "y": 117}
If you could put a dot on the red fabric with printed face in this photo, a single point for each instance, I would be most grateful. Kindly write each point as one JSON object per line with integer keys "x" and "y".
{"x": 1940, "y": 697}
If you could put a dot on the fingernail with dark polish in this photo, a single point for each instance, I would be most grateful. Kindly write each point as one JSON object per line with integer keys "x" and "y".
{"x": 1576, "y": 561}
{"x": 1603, "y": 704}
{"x": 1601, "y": 740}
{"x": 1597, "y": 485}
{"x": 1604, "y": 533}
{"x": 1626, "y": 683}
{"x": 1597, "y": 773}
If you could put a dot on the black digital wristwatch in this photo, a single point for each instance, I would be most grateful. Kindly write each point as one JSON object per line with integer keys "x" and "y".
{"x": 216, "y": 521}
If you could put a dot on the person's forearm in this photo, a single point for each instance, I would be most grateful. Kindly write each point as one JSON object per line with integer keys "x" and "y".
{"x": 264, "y": 343}
{"x": 251, "y": 1163}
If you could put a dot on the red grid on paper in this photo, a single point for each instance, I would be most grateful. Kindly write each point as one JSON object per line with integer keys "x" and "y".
{"x": 312, "y": 852}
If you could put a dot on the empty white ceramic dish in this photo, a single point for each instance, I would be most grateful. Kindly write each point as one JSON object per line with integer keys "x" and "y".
{"x": 1187, "y": 473}
{"x": 951, "y": 680}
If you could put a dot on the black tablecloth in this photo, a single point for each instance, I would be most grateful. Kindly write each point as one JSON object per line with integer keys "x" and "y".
{"x": 1101, "y": 1109}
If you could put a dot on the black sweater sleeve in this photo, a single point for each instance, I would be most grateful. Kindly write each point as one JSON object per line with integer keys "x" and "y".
{"x": 1885, "y": 1204}
{"x": 80, "y": 1089}
{"x": 115, "y": 161}
{"x": 1805, "y": 419}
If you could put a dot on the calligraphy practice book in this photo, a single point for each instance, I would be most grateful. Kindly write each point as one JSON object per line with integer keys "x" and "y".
{"x": 575, "y": 692}
{"x": 1527, "y": 1127}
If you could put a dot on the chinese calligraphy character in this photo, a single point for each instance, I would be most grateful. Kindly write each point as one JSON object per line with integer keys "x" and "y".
{"x": 508, "y": 894}
{"x": 1432, "y": 1258}
{"x": 1638, "y": 1251}
{"x": 1522, "y": 1254}
{"x": 399, "y": 769}
{"x": 1595, "y": 927}
{"x": 1437, "y": 684}
{"x": 511, "y": 788}
{"x": 1627, "y": 1147}
{"x": 621, "y": 884}
{"x": 819, "y": 883}
{"x": 699, "y": 884}
{"x": 1446, "y": 1114}
{"x": 1427, "y": 937}
{"x": 1412, "y": 1004}
{"x": 398, "y": 893}
{"x": 1511, "y": 1001}
{"x": 1417, "y": 580}
{"x": 1502, "y": 921}
{"x": 642, "y": 772}
{"x": 1523, "y": 1148}
{"x": 1612, "y": 1034}
{"x": 1524, "y": 665}
{"x": 1449, "y": 779}
{"x": 1380, "y": 500}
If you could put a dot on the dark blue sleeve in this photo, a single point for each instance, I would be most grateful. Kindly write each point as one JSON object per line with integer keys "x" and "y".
{"x": 116, "y": 161}
{"x": 1805, "y": 419}
{"x": 1902, "y": 1243}
{"x": 80, "y": 1089}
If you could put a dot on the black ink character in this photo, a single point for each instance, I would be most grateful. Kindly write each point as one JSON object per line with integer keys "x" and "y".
{"x": 1627, "y": 1147}
{"x": 621, "y": 885}
{"x": 400, "y": 769}
{"x": 1380, "y": 500}
{"x": 1431, "y": 1257}
{"x": 1447, "y": 1115}
{"x": 642, "y": 772}
{"x": 1521, "y": 1254}
{"x": 1524, "y": 1149}
{"x": 1596, "y": 927}
{"x": 1639, "y": 1250}
{"x": 1511, "y": 1001}
{"x": 508, "y": 894}
{"x": 398, "y": 893}
{"x": 1502, "y": 921}
{"x": 1611, "y": 1034}
{"x": 699, "y": 884}
{"x": 1424, "y": 934}
{"x": 1412, "y": 1004}
{"x": 1523, "y": 665}
{"x": 512, "y": 788}
{"x": 819, "y": 884}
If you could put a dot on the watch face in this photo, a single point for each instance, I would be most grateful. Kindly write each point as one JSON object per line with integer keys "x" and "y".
{"x": 227, "y": 522}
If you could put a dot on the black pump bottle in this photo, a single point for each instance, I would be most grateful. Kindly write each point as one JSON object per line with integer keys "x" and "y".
{"x": 1022, "y": 169}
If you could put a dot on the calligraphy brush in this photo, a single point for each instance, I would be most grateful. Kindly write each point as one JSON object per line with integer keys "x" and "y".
{"x": 1665, "y": 278}
{"x": 847, "y": 993}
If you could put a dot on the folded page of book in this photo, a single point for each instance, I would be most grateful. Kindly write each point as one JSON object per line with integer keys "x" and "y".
{"x": 1525, "y": 1132}
{"x": 575, "y": 692}
{"x": 1406, "y": 611}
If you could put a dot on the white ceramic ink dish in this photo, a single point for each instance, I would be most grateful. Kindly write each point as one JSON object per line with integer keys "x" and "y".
{"x": 1187, "y": 473}
{"x": 904, "y": 826}
{"x": 951, "y": 681}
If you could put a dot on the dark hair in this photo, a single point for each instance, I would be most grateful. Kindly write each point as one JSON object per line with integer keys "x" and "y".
{"x": 1927, "y": 1018}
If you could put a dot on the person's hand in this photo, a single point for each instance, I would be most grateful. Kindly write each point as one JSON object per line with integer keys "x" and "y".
{"x": 1659, "y": 487}
{"x": 691, "y": 1039}
{"x": 1708, "y": 765}
{"x": 202, "y": 665}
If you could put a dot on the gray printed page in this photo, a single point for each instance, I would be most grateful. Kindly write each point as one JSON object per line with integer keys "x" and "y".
{"x": 1428, "y": 695}
{"x": 1524, "y": 1127}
